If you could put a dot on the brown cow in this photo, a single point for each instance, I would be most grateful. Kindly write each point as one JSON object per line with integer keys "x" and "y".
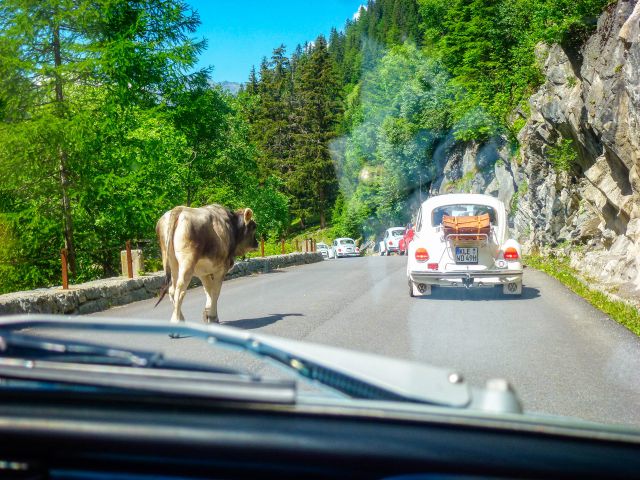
{"x": 202, "y": 242}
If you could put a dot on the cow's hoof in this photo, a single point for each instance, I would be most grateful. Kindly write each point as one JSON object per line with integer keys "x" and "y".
{"x": 208, "y": 318}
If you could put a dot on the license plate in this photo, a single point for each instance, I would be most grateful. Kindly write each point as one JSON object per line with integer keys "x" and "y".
{"x": 466, "y": 254}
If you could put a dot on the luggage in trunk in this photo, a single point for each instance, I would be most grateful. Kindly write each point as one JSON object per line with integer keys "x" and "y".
{"x": 467, "y": 228}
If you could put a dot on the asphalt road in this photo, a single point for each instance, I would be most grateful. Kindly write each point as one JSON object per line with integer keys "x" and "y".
{"x": 563, "y": 356}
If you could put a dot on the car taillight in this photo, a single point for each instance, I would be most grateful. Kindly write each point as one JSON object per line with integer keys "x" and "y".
{"x": 340, "y": 250}
{"x": 422, "y": 255}
{"x": 390, "y": 242}
{"x": 511, "y": 254}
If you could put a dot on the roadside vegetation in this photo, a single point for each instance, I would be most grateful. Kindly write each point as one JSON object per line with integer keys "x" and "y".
{"x": 105, "y": 123}
{"x": 559, "y": 268}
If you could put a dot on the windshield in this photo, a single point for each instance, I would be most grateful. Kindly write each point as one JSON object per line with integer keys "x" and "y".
{"x": 243, "y": 166}
{"x": 462, "y": 210}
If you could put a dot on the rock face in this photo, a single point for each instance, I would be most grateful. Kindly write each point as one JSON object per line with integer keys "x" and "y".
{"x": 575, "y": 185}
{"x": 472, "y": 167}
{"x": 588, "y": 109}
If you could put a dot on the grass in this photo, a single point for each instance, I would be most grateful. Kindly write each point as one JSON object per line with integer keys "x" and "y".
{"x": 563, "y": 155}
{"x": 621, "y": 312}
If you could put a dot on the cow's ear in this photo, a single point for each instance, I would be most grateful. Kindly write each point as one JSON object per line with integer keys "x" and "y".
{"x": 248, "y": 215}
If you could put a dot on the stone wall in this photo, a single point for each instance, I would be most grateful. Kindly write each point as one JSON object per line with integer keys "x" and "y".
{"x": 103, "y": 294}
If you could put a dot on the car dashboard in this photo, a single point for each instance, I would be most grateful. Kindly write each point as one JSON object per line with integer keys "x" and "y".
{"x": 107, "y": 436}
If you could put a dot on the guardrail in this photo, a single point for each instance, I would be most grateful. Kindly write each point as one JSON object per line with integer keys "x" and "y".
{"x": 100, "y": 295}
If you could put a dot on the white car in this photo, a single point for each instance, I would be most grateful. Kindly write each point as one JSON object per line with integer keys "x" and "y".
{"x": 391, "y": 241}
{"x": 323, "y": 248}
{"x": 345, "y": 247}
{"x": 438, "y": 257}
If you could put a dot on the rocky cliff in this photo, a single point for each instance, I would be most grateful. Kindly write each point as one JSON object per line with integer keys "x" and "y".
{"x": 574, "y": 185}
{"x": 580, "y": 151}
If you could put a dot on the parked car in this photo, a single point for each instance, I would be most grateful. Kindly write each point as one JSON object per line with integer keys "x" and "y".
{"x": 404, "y": 242}
{"x": 391, "y": 241}
{"x": 323, "y": 248}
{"x": 461, "y": 240}
{"x": 345, "y": 247}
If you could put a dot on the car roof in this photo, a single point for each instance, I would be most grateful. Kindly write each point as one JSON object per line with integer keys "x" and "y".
{"x": 452, "y": 198}
{"x": 345, "y": 238}
{"x": 395, "y": 228}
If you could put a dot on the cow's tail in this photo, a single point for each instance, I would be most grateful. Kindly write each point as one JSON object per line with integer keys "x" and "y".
{"x": 172, "y": 223}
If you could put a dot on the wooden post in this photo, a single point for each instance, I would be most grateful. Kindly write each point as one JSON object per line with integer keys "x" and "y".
{"x": 306, "y": 245}
{"x": 283, "y": 246}
{"x": 314, "y": 245}
{"x": 262, "y": 246}
{"x": 297, "y": 246}
{"x": 129, "y": 260}
{"x": 65, "y": 274}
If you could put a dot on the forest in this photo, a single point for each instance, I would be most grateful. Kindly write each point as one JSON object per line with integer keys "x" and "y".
{"x": 105, "y": 122}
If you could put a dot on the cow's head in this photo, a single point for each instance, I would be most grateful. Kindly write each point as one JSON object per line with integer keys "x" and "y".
{"x": 246, "y": 240}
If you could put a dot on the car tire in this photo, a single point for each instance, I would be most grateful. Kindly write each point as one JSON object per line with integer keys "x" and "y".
{"x": 411, "y": 289}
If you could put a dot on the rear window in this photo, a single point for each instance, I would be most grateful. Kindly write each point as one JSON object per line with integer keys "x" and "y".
{"x": 397, "y": 233}
{"x": 462, "y": 210}
{"x": 346, "y": 242}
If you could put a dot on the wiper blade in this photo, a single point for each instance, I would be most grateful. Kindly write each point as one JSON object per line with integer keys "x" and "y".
{"x": 45, "y": 360}
{"x": 18, "y": 345}
{"x": 41, "y": 348}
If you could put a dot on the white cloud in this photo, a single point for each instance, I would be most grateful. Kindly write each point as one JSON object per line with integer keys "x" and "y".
{"x": 356, "y": 15}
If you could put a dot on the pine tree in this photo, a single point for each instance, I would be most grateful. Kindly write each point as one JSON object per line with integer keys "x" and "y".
{"x": 317, "y": 85}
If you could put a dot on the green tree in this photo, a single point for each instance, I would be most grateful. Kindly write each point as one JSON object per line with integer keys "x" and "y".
{"x": 61, "y": 64}
{"x": 313, "y": 179}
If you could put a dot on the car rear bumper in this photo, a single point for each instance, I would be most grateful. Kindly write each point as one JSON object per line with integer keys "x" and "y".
{"x": 348, "y": 254}
{"x": 467, "y": 278}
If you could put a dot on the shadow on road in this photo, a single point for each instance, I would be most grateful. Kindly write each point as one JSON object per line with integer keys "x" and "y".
{"x": 251, "y": 323}
{"x": 479, "y": 294}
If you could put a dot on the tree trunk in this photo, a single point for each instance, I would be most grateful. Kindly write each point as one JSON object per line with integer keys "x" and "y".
{"x": 63, "y": 157}
{"x": 323, "y": 220}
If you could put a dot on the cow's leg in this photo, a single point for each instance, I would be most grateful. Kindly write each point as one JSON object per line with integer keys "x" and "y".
{"x": 212, "y": 285}
{"x": 185, "y": 273}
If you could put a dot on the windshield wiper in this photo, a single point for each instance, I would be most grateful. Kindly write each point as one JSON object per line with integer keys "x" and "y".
{"x": 355, "y": 374}
{"x": 25, "y": 358}
{"x": 17, "y": 345}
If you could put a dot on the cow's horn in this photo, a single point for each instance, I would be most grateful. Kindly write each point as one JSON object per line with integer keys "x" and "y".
{"x": 248, "y": 215}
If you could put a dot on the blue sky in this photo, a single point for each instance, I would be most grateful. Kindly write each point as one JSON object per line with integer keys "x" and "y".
{"x": 240, "y": 33}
